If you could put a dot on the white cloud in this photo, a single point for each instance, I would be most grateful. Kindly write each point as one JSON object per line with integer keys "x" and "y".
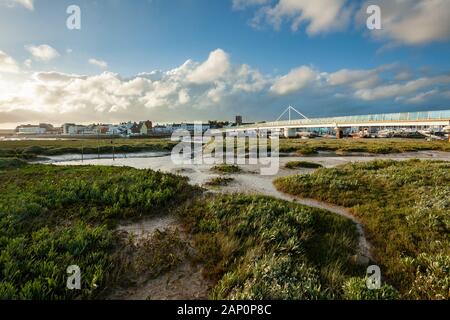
{"x": 7, "y": 63}
{"x": 319, "y": 15}
{"x": 27, "y": 63}
{"x": 358, "y": 79}
{"x": 212, "y": 69}
{"x": 404, "y": 22}
{"x": 98, "y": 63}
{"x": 202, "y": 90}
{"x": 401, "y": 89}
{"x": 403, "y": 75}
{"x": 183, "y": 96}
{"x": 295, "y": 80}
{"x": 42, "y": 52}
{"x": 411, "y": 22}
{"x": 28, "y": 4}
{"x": 423, "y": 96}
{"x": 249, "y": 80}
{"x": 56, "y": 77}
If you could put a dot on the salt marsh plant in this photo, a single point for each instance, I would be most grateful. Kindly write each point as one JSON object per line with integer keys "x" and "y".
{"x": 257, "y": 247}
{"x": 52, "y": 217}
{"x": 405, "y": 207}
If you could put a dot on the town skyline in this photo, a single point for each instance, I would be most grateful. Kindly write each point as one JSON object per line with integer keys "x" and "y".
{"x": 214, "y": 60}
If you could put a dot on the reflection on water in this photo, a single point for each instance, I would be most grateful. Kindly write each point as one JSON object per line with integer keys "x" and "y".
{"x": 86, "y": 157}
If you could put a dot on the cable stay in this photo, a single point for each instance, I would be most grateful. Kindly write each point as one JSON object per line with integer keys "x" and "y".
{"x": 289, "y": 110}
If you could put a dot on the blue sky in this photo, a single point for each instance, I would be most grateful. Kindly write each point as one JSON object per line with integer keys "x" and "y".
{"x": 332, "y": 65}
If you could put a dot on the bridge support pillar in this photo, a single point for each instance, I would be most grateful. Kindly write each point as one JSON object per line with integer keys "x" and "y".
{"x": 290, "y": 132}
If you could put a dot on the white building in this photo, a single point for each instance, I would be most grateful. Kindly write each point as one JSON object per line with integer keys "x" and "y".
{"x": 31, "y": 130}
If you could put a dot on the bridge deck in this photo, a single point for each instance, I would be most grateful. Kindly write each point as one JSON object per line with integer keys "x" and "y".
{"x": 441, "y": 117}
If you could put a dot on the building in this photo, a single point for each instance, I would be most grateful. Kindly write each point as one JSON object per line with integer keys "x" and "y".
{"x": 162, "y": 129}
{"x": 42, "y": 128}
{"x": 145, "y": 127}
{"x": 192, "y": 126}
{"x": 29, "y": 129}
{"x": 238, "y": 120}
{"x": 73, "y": 129}
{"x": 68, "y": 128}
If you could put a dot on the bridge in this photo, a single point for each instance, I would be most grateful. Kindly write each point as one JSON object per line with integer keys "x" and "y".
{"x": 436, "y": 120}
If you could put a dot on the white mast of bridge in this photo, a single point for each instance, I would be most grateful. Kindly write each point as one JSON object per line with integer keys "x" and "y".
{"x": 289, "y": 110}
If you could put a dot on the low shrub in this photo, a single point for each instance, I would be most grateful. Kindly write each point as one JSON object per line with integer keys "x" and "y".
{"x": 226, "y": 169}
{"x": 356, "y": 289}
{"x": 219, "y": 181}
{"x": 302, "y": 164}
{"x": 256, "y": 247}
{"x": 52, "y": 217}
{"x": 404, "y": 206}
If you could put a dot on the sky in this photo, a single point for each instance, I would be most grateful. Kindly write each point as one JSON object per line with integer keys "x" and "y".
{"x": 185, "y": 60}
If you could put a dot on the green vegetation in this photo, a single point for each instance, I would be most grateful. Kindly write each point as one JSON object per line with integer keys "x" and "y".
{"x": 302, "y": 164}
{"x": 405, "y": 207}
{"x": 226, "y": 168}
{"x": 219, "y": 181}
{"x": 356, "y": 289}
{"x": 348, "y": 145}
{"x": 377, "y": 146}
{"x": 256, "y": 247}
{"x": 53, "y": 217}
{"x": 28, "y": 149}
{"x": 9, "y": 163}
{"x": 252, "y": 247}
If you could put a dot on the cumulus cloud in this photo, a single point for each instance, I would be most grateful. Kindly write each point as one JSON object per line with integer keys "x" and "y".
{"x": 423, "y": 96}
{"x": 319, "y": 16}
{"x": 212, "y": 69}
{"x": 27, "y": 63}
{"x": 295, "y": 80}
{"x": 7, "y": 63}
{"x": 404, "y": 22}
{"x": 42, "y": 52}
{"x": 98, "y": 63}
{"x": 401, "y": 89}
{"x": 358, "y": 78}
{"x": 411, "y": 22}
{"x": 214, "y": 88}
{"x": 56, "y": 77}
{"x": 28, "y": 4}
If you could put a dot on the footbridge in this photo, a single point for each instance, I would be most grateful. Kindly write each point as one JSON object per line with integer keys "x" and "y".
{"x": 436, "y": 120}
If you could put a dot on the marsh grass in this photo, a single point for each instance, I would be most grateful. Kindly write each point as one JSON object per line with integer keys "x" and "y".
{"x": 219, "y": 181}
{"x": 226, "y": 169}
{"x": 28, "y": 149}
{"x": 376, "y": 146}
{"x": 302, "y": 164}
{"x": 52, "y": 217}
{"x": 257, "y": 247}
{"x": 10, "y": 163}
{"x": 405, "y": 207}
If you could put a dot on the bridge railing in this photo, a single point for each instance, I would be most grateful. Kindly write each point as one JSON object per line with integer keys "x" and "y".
{"x": 402, "y": 116}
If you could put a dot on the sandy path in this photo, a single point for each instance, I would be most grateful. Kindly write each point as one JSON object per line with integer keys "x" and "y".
{"x": 186, "y": 281}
